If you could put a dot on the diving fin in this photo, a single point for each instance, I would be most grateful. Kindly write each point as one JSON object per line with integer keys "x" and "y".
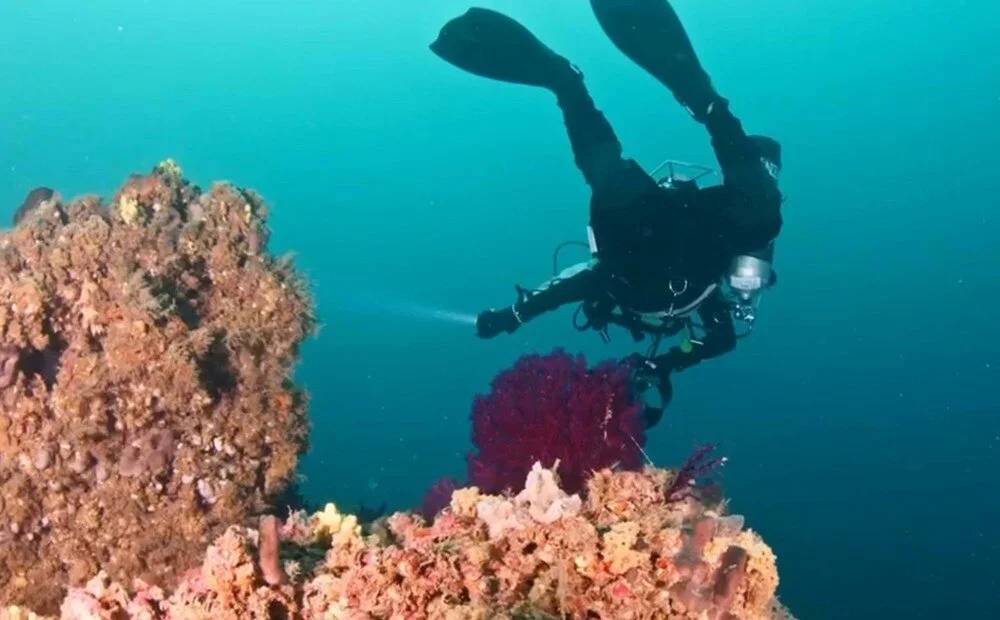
{"x": 652, "y": 36}
{"x": 492, "y": 45}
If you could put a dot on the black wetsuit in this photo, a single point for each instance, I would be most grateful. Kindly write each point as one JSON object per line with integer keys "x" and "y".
{"x": 661, "y": 250}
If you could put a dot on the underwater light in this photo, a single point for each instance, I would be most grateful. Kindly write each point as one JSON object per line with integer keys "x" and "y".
{"x": 386, "y": 306}
{"x": 421, "y": 311}
{"x": 463, "y": 318}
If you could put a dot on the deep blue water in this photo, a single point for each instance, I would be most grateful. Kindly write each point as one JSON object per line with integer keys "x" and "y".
{"x": 861, "y": 419}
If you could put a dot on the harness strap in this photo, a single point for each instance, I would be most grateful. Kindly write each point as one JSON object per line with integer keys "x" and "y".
{"x": 701, "y": 298}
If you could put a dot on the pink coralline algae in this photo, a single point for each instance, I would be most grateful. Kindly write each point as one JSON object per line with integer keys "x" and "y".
{"x": 553, "y": 408}
{"x": 623, "y": 552}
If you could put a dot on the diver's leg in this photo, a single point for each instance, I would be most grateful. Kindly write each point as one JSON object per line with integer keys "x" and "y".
{"x": 650, "y": 33}
{"x": 490, "y": 44}
{"x": 596, "y": 149}
{"x": 750, "y": 167}
{"x": 749, "y": 163}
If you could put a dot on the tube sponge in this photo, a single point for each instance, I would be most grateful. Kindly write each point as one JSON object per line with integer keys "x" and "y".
{"x": 9, "y": 358}
{"x": 268, "y": 545}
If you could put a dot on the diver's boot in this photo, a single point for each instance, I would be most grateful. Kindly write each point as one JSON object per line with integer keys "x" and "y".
{"x": 652, "y": 36}
{"x": 493, "y": 45}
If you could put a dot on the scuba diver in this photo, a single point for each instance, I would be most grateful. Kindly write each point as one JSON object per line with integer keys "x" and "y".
{"x": 663, "y": 251}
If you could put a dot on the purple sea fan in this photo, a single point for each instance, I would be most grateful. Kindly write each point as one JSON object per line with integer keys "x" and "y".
{"x": 438, "y": 497}
{"x": 701, "y": 464}
{"x": 552, "y": 408}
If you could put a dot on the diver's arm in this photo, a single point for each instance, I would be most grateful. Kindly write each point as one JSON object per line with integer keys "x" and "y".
{"x": 574, "y": 284}
{"x": 719, "y": 339}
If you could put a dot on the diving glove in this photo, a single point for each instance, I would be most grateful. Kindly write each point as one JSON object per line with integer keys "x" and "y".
{"x": 648, "y": 376}
{"x": 492, "y": 322}
{"x": 649, "y": 372}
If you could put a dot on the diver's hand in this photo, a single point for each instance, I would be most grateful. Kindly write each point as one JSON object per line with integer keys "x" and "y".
{"x": 649, "y": 372}
{"x": 636, "y": 361}
{"x": 492, "y": 322}
{"x": 648, "y": 375}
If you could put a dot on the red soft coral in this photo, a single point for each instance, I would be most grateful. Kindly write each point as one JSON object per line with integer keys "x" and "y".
{"x": 552, "y": 407}
{"x": 438, "y": 497}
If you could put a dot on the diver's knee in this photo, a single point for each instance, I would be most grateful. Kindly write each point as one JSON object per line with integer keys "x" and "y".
{"x": 625, "y": 179}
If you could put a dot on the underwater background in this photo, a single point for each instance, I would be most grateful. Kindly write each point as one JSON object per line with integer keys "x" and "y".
{"x": 862, "y": 419}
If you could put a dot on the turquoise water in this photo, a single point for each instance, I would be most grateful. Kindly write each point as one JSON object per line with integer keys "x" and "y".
{"x": 861, "y": 420}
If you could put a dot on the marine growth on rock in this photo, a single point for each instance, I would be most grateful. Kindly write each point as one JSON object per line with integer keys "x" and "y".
{"x": 625, "y": 552}
{"x": 146, "y": 350}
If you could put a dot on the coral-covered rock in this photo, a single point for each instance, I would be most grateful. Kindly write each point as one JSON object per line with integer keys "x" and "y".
{"x": 552, "y": 408}
{"x": 683, "y": 564}
{"x": 145, "y": 403}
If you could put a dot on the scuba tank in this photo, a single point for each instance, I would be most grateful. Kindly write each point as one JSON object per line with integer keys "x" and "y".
{"x": 748, "y": 277}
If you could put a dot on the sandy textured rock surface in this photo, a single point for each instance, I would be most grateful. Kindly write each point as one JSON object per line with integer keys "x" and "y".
{"x": 146, "y": 347}
{"x": 626, "y": 553}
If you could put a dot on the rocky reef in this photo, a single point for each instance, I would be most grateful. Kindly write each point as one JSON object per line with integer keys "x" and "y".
{"x": 148, "y": 425}
{"x": 146, "y": 347}
{"x": 625, "y": 551}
